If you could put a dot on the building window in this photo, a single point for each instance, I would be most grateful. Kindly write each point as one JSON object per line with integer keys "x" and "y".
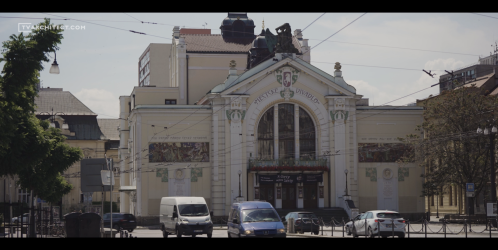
{"x": 169, "y": 102}
{"x": 450, "y": 195}
{"x": 265, "y": 135}
{"x": 286, "y": 134}
{"x": 82, "y": 198}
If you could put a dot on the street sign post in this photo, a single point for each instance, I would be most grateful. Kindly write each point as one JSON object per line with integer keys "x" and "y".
{"x": 470, "y": 187}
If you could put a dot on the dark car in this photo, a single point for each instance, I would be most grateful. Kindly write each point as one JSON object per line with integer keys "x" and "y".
{"x": 303, "y": 222}
{"x": 124, "y": 221}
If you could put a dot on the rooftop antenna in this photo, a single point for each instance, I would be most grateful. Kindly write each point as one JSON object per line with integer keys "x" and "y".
{"x": 263, "y": 24}
{"x": 204, "y": 25}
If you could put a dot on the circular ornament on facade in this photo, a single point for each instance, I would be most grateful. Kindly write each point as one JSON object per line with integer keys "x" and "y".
{"x": 179, "y": 174}
{"x": 387, "y": 173}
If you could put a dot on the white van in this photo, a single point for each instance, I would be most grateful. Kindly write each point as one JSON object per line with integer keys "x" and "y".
{"x": 185, "y": 216}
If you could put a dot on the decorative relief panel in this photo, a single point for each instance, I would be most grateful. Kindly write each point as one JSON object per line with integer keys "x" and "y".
{"x": 372, "y": 173}
{"x": 163, "y": 173}
{"x": 402, "y": 173}
{"x": 195, "y": 173}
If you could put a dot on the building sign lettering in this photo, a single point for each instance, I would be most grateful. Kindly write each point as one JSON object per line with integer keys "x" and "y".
{"x": 266, "y": 95}
{"x": 290, "y": 179}
{"x": 307, "y": 95}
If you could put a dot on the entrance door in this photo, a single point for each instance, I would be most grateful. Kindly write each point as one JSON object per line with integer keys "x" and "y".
{"x": 288, "y": 196}
{"x": 310, "y": 198}
{"x": 266, "y": 193}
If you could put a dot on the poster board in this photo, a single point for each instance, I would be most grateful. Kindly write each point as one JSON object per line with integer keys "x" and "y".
{"x": 492, "y": 210}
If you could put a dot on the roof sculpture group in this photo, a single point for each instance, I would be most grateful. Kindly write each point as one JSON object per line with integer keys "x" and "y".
{"x": 282, "y": 42}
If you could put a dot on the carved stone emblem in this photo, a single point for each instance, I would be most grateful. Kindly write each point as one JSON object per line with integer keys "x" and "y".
{"x": 287, "y": 76}
{"x": 232, "y": 64}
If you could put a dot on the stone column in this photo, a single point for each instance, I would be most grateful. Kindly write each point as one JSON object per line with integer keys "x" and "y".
{"x": 235, "y": 117}
{"x": 296, "y": 131}
{"x": 275, "y": 131}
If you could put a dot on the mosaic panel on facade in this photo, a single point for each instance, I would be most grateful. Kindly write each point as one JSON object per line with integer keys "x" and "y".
{"x": 381, "y": 152}
{"x": 179, "y": 152}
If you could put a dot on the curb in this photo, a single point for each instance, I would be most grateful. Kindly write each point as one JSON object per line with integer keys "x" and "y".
{"x": 315, "y": 236}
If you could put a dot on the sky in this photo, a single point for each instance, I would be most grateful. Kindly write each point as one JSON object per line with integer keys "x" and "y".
{"x": 98, "y": 62}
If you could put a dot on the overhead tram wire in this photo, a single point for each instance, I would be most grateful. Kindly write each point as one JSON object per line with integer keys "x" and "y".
{"x": 202, "y": 45}
{"x": 383, "y": 46}
{"x": 334, "y": 34}
{"x": 133, "y": 17}
{"x": 267, "y": 57}
{"x": 312, "y": 22}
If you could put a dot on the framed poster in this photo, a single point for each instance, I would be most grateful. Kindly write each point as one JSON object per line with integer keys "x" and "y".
{"x": 279, "y": 192}
{"x": 256, "y": 193}
{"x": 492, "y": 210}
{"x": 300, "y": 192}
{"x": 320, "y": 192}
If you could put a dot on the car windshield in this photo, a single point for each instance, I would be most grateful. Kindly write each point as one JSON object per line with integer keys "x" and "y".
{"x": 388, "y": 215}
{"x": 193, "y": 210}
{"x": 258, "y": 215}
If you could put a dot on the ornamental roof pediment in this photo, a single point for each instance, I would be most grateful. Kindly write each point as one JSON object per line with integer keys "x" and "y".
{"x": 287, "y": 73}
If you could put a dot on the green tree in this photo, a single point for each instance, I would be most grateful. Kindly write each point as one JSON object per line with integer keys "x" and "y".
{"x": 28, "y": 148}
{"x": 451, "y": 151}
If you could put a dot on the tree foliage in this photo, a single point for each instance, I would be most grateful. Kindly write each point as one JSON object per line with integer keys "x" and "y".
{"x": 452, "y": 152}
{"x": 28, "y": 148}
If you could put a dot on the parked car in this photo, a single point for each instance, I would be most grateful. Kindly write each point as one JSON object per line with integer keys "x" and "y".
{"x": 303, "y": 222}
{"x": 349, "y": 226}
{"x": 120, "y": 220}
{"x": 254, "y": 219}
{"x": 379, "y": 222}
{"x": 25, "y": 219}
{"x": 185, "y": 216}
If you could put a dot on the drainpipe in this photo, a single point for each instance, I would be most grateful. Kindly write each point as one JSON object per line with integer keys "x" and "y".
{"x": 187, "y": 79}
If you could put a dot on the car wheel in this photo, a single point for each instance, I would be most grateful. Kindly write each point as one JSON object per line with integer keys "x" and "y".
{"x": 210, "y": 236}
{"x": 385, "y": 236}
{"x": 193, "y": 235}
{"x": 370, "y": 233}
{"x": 354, "y": 233}
{"x": 348, "y": 231}
{"x": 316, "y": 232}
{"x": 165, "y": 234}
{"x": 229, "y": 235}
{"x": 116, "y": 227}
{"x": 130, "y": 230}
{"x": 401, "y": 236}
{"x": 178, "y": 233}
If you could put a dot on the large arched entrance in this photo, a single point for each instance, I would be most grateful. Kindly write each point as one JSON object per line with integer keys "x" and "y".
{"x": 286, "y": 136}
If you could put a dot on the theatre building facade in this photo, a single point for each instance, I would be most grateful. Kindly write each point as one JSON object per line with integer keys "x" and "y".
{"x": 272, "y": 128}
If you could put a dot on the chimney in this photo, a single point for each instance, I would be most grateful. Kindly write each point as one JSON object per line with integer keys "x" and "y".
{"x": 298, "y": 34}
{"x": 176, "y": 31}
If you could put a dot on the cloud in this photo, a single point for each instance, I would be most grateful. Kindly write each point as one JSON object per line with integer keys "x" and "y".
{"x": 100, "y": 101}
{"x": 375, "y": 95}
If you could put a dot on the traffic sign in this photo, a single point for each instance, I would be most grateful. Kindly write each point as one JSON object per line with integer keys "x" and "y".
{"x": 470, "y": 187}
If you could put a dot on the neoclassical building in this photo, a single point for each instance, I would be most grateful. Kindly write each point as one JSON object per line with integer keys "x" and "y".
{"x": 244, "y": 118}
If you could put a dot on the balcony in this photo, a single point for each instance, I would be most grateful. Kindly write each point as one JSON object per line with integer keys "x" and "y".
{"x": 319, "y": 164}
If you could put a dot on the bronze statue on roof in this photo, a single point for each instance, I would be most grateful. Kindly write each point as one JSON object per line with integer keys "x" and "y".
{"x": 284, "y": 40}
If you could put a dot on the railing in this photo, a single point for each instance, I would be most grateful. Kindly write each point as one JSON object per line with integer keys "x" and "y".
{"x": 319, "y": 164}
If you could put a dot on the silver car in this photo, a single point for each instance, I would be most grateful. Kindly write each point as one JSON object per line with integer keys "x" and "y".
{"x": 349, "y": 226}
{"x": 17, "y": 219}
{"x": 379, "y": 223}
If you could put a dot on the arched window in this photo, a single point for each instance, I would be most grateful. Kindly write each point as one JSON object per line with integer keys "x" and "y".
{"x": 307, "y": 148}
{"x": 306, "y": 136}
{"x": 265, "y": 136}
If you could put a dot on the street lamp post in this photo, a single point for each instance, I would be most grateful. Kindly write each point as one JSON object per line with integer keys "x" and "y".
{"x": 240, "y": 193}
{"x": 491, "y": 134}
{"x": 55, "y": 67}
{"x": 346, "y": 172}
